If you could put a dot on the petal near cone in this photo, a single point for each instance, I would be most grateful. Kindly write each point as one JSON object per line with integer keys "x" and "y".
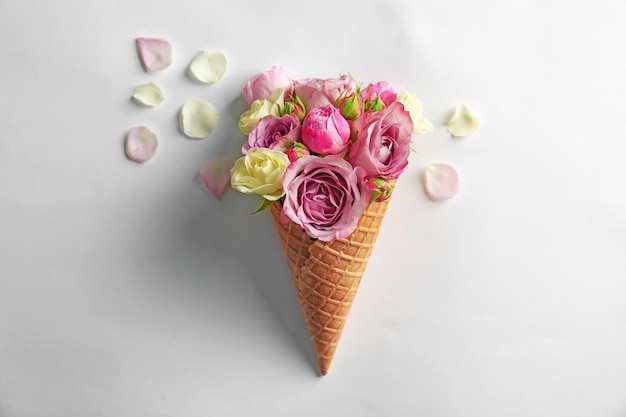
{"x": 327, "y": 275}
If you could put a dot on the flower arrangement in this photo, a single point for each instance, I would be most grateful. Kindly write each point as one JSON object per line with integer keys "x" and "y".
{"x": 324, "y": 148}
{"x": 325, "y": 154}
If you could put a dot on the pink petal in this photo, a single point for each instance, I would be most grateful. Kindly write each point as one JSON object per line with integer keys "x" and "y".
{"x": 141, "y": 144}
{"x": 216, "y": 176}
{"x": 155, "y": 54}
{"x": 441, "y": 181}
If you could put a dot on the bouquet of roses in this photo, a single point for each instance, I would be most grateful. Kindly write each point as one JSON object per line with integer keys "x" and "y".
{"x": 325, "y": 154}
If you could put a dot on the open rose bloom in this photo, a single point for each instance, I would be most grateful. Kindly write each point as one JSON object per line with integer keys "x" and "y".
{"x": 344, "y": 147}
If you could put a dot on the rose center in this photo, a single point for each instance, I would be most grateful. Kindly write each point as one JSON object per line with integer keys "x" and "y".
{"x": 324, "y": 201}
{"x": 386, "y": 148}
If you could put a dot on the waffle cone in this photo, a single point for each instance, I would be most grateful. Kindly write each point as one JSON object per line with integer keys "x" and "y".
{"x": 326, "y": 275}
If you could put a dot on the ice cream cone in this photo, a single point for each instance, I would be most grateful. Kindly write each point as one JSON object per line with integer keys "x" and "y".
{"x": 326, "y": 275}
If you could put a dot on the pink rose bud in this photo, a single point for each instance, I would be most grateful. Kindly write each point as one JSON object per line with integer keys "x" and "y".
{"x": 296, "y": 151}
{"x": 325, "y": 131}
{"x": 350, "y": 105}
{"x": 381, "y": 189}
{"x": 294, "y": 105}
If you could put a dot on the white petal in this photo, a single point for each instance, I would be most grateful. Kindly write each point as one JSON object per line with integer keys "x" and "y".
{"x": 197, "y": 119}
{"x": 155, "y": 54}
{"x": 216, "y": 176}
{"x": 413, "y": 105}
{"x": 441, "y": 181}
{"x": 148, "y": 94}
{"x": 463, "y": 122}
{"x": 208, "y": 66}
{"x": 141, "y": 144}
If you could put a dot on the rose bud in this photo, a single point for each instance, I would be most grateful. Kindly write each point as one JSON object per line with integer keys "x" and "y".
{"x": 351, "y": 106}
{"x": 325, "y": 131}
{"x": 381, "y": 189}
{"x": 294, "y": 105}
{"x": 376, "y": 104}
{"x": 296, "y": 151}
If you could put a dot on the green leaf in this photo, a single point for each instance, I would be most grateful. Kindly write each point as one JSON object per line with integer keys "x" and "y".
{"x": 264, "y": 205}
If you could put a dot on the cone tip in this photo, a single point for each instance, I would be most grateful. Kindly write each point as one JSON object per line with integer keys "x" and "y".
{"x": 323, "y": 367}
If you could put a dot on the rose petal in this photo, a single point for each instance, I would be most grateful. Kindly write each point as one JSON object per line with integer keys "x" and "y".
{"x": 208, "y": 66}
{"x": 216, "y": 176}
{"x": 414, "y": 106}
{"x": 463, "y": 122}
{"x": 441, "y": 181}
{"x": 155, "y": 54}
{"x": 141, "y": 144}
{"x": 148, "y": 94}
{"x": 197, "y": 119}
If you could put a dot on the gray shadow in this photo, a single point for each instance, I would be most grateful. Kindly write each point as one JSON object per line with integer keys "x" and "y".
{"x": 228, "y": 230}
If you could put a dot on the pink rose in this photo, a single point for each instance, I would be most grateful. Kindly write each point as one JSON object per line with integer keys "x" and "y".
{"x": 382, "y": 90}
{"x": 272, "y": 132}
{"x": 381, "y": 141}
{"x": 325, "y": 131}
{"x": 262, "y": 85}
{"x": 325, "y": 196}
{"x": 317, "y": 92}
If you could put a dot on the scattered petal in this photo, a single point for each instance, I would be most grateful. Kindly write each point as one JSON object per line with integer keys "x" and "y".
{"x": 141, "y": 144}
{"x": 155, "y": 54}
{"x": 208, "y": 66}
{"x": 197, "y": 119}
{"x": 148, "y": 95}
{"x": 216, "y": 176}
{"x": 463, "y": 122}
{"x": 441, "y": 181}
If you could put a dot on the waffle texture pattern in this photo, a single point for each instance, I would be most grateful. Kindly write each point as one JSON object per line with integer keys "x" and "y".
{"x": 326, "y": 275}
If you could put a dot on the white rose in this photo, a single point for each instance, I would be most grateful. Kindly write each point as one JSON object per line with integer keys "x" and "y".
{"x": 260, "y": 171}
{"x": 259, "y": 109}
{"x": 413, "y": 105}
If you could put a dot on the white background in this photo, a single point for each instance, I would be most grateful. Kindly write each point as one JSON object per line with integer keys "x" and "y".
{"x": 127, "y": 290}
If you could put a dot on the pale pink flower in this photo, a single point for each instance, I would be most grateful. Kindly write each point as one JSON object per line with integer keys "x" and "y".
{"x": 317, "y": 92}
{"x": 261, "y": 86}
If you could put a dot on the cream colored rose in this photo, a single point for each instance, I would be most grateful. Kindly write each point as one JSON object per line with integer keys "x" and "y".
{"x": 413, "y": 105}
{"x": 259, "y": 109}
{"x": 260, "y": 171}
